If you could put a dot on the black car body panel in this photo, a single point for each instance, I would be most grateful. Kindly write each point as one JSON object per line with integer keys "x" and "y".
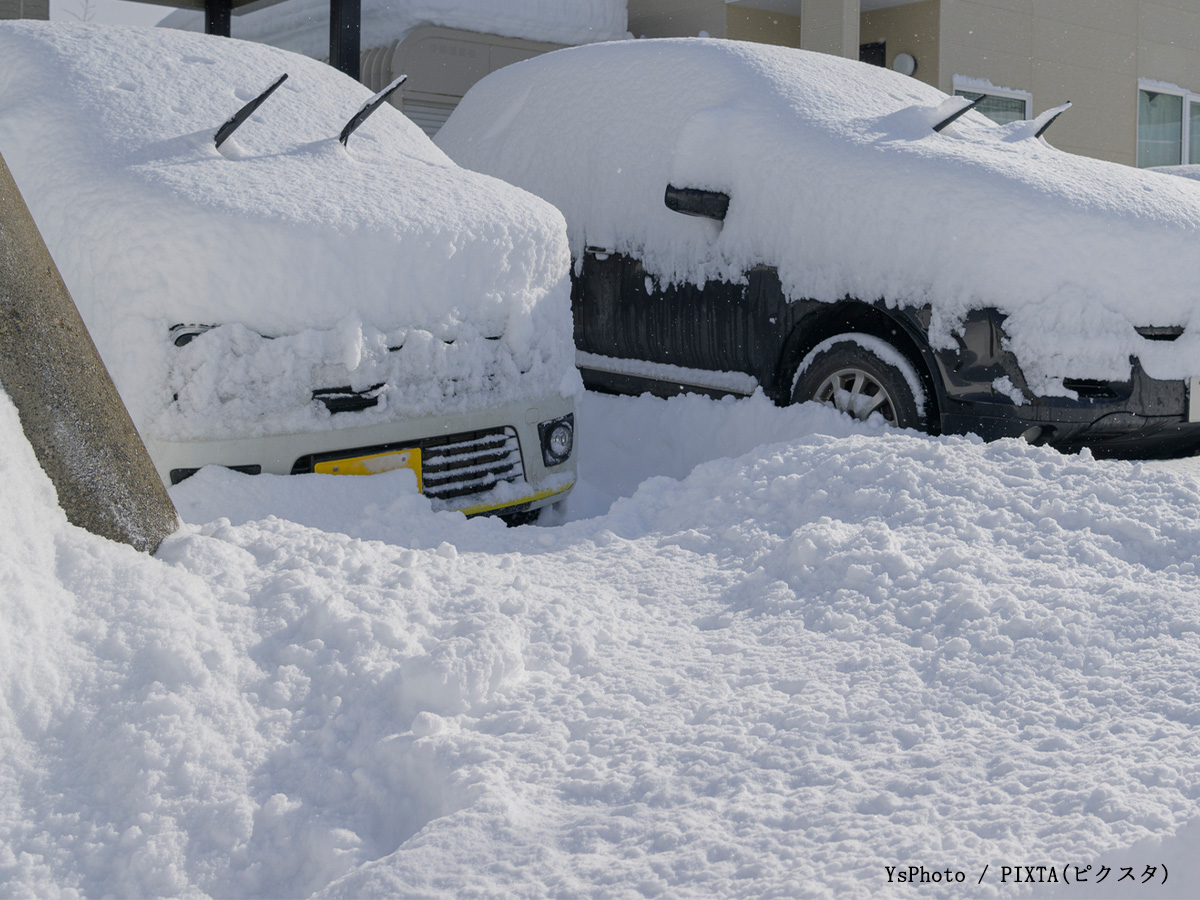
{"x": 625, "y": 318}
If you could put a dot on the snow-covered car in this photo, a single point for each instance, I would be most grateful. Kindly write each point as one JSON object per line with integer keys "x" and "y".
{"x": 1188, "y": 170}
{"x": 744, "y": 216}
{"x": 289, "y": 302}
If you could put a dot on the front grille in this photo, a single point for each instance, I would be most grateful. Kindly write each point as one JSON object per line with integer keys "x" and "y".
{"x": 453, "y": 466}
{"x": 470, "y": 463}
{"x": 1153, "y": 333}
{"x": 1090, "y": 389}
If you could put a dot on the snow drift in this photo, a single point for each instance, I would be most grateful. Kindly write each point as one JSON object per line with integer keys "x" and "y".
{"x": 380, "y": 261}
{"x": 837, "y": 178}
{"x": 772, "y": 678}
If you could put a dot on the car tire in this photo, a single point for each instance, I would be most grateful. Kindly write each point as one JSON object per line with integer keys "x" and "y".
{"x": 861, "y": 375}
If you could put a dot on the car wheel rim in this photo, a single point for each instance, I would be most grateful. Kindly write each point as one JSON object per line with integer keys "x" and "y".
{"x": 857, "y": 393}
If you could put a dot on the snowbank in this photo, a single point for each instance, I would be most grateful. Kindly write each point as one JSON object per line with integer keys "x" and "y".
{"x": 378, "y": 261}
{"x": 303, "y": 25}
{"x": 837, "y": 177}
{"x": 773, "y": 677}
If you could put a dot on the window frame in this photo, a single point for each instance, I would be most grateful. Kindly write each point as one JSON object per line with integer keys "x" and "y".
{"x": 1189, "y": 98}
{"x": 983, "y": 86}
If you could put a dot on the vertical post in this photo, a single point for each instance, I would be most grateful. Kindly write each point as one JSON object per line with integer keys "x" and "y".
{"x": 345, "y": 36}
{"x": 830, "y": 26}
{"x": 69, "y": 409}
{"x": 217, "y": 17}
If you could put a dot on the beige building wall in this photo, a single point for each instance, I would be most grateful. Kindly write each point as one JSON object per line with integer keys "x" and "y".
{"x": 1091, "y": 52}
{"x": 746, "y": 24}
{"x": 830, "y": 26}
{"x": 677, "y": 18}
{"x": 1058, "y": 50}
{"x": 914, "y": 28}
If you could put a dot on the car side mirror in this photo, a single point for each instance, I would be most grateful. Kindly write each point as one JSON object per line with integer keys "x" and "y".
{"x": 697, "y": 202}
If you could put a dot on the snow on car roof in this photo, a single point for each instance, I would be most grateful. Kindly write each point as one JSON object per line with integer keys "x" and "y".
{"x": 1190, "y": 170}
{"x": 837, "y": 177}
{"x": 345, "y": 249}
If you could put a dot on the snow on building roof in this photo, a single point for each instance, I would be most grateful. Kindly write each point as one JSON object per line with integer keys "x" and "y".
{"x": 344, "y": 251}
{"x": 303, "y": 25}
{"x": 837, "y": 177}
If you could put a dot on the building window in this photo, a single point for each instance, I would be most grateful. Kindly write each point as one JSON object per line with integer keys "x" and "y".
{"x": 1168, "y": 126}
{"x": 874, "y": 54}
{"x": 1160, "y": 129}
{"x": 1001, "y": 105}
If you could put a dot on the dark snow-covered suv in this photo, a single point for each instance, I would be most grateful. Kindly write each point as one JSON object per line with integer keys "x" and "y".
{"x": 744, "y": 217}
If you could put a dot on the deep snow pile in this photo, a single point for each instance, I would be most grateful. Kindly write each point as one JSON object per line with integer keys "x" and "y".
{"x": 325, "y": 265}
{"x": 836, "y": 176}
{"x": 773, "y": 677}
{"x": 303, "y": 25}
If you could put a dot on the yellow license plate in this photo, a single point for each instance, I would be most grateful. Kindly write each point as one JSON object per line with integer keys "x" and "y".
{"x": 374, "y": 464}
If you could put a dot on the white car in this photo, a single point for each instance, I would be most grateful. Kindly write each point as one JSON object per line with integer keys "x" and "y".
{"x": 272, "y": 298}
{"x": 749, "y": 217}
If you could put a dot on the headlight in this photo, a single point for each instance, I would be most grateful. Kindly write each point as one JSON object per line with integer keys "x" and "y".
{"x": 182, "y": 335}
{"x": 558, "y": 439}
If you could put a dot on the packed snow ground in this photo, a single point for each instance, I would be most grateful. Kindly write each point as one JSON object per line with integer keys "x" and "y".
{"x": 766, "y": 653}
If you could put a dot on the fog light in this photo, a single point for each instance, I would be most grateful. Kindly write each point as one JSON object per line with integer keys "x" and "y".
{"x": 558, "y": 439}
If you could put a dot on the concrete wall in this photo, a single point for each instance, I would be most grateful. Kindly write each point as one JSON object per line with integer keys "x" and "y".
{"x": 914, "y": 28}
{"x": 24, "y": 9}
{"x": 677, "y": 18}
{"x": 69, "y": 408}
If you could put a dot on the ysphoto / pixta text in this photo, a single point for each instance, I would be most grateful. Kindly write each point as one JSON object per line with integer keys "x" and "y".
{"x": 1066, "y": 873}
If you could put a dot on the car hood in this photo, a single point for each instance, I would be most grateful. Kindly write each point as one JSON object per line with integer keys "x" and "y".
{"x": 109, "y": 133}
{"x": 837, "y": 177}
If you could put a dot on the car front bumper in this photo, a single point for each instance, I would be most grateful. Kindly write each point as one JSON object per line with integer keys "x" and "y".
{"x": 477, "y": 462}
{"x": 1141, "y": 418}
